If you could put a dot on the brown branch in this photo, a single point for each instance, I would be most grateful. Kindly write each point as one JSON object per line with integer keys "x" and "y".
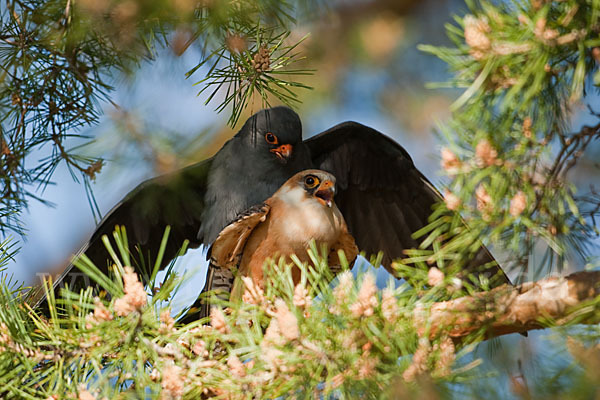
{"x": 508, "y": 309}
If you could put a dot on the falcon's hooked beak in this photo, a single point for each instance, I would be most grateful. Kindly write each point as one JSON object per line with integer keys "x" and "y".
{"x": 325, "y": 193}
{"x": 283, "y": 152}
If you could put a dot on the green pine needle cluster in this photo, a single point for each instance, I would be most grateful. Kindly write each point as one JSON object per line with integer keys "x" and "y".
{"x": 60, "y": 60}
{"x": 284, "y": 340}
{"x": 344, "y": 339}
{"x": 510, "y": 157}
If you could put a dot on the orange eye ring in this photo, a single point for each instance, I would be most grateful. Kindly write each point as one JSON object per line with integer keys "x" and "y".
{"x": 311, "y": 181}
{"x": 270, "y": 138}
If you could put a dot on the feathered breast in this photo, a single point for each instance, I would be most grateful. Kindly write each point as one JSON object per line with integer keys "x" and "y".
{"x": 292, "y": 222}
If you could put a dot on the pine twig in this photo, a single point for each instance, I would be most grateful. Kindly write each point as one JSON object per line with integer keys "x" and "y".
{"x": 553, "y": 301}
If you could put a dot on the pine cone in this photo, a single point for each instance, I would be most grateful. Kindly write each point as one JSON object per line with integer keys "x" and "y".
{"x": 261, "y": 60}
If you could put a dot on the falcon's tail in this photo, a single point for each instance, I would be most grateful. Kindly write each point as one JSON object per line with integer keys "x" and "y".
{"x": 219, "y": 281}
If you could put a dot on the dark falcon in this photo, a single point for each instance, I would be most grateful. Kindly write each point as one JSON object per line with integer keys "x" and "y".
{"x": 382, "y": 196}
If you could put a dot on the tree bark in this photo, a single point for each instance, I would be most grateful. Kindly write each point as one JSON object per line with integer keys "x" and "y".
{"x": 508, "y": 309}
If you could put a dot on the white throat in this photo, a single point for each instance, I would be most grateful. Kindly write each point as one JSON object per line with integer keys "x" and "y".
{"x": 308, "y": 218}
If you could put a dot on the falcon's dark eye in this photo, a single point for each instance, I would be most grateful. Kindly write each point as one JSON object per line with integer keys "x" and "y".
{"x": 270, "y": 138}
{"x": 311, "y": 181}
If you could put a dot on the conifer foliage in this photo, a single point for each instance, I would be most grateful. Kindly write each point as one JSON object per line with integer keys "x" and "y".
{"x": 510, "y": 157}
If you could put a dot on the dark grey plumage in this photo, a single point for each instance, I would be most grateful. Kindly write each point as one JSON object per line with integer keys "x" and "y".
{"x": 383, "y": 197}
{"x": 198, "y": 201}
{"x": 244, "y": 172}
{"x": 219, "y": 281}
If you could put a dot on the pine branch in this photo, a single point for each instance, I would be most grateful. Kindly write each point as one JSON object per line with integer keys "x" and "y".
{"x": 342, "y": 339}
{"x": 522, "y": 66}
{"x": 549, "y": 302}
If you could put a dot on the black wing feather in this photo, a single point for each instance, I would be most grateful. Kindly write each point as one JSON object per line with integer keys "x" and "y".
{"x": 383, "y": 197}
{"x": 174, "y": 200}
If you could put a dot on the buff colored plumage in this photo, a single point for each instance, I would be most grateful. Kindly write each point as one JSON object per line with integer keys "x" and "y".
{"x": 300, "y": 211}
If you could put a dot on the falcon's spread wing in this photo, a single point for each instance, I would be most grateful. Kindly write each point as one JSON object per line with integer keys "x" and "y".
{"x": 176, "y": 200}
{"x": 225, "y": 255}
{"x": 226, "y": 251}
{"x": 383, "y": 197}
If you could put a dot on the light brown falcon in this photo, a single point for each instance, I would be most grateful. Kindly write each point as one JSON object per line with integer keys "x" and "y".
{"x": 301, "y": 210}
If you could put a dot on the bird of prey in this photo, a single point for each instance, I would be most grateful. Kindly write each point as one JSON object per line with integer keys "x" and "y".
{"x": 383, "y": 197}
{"x": 301, "y": 210}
